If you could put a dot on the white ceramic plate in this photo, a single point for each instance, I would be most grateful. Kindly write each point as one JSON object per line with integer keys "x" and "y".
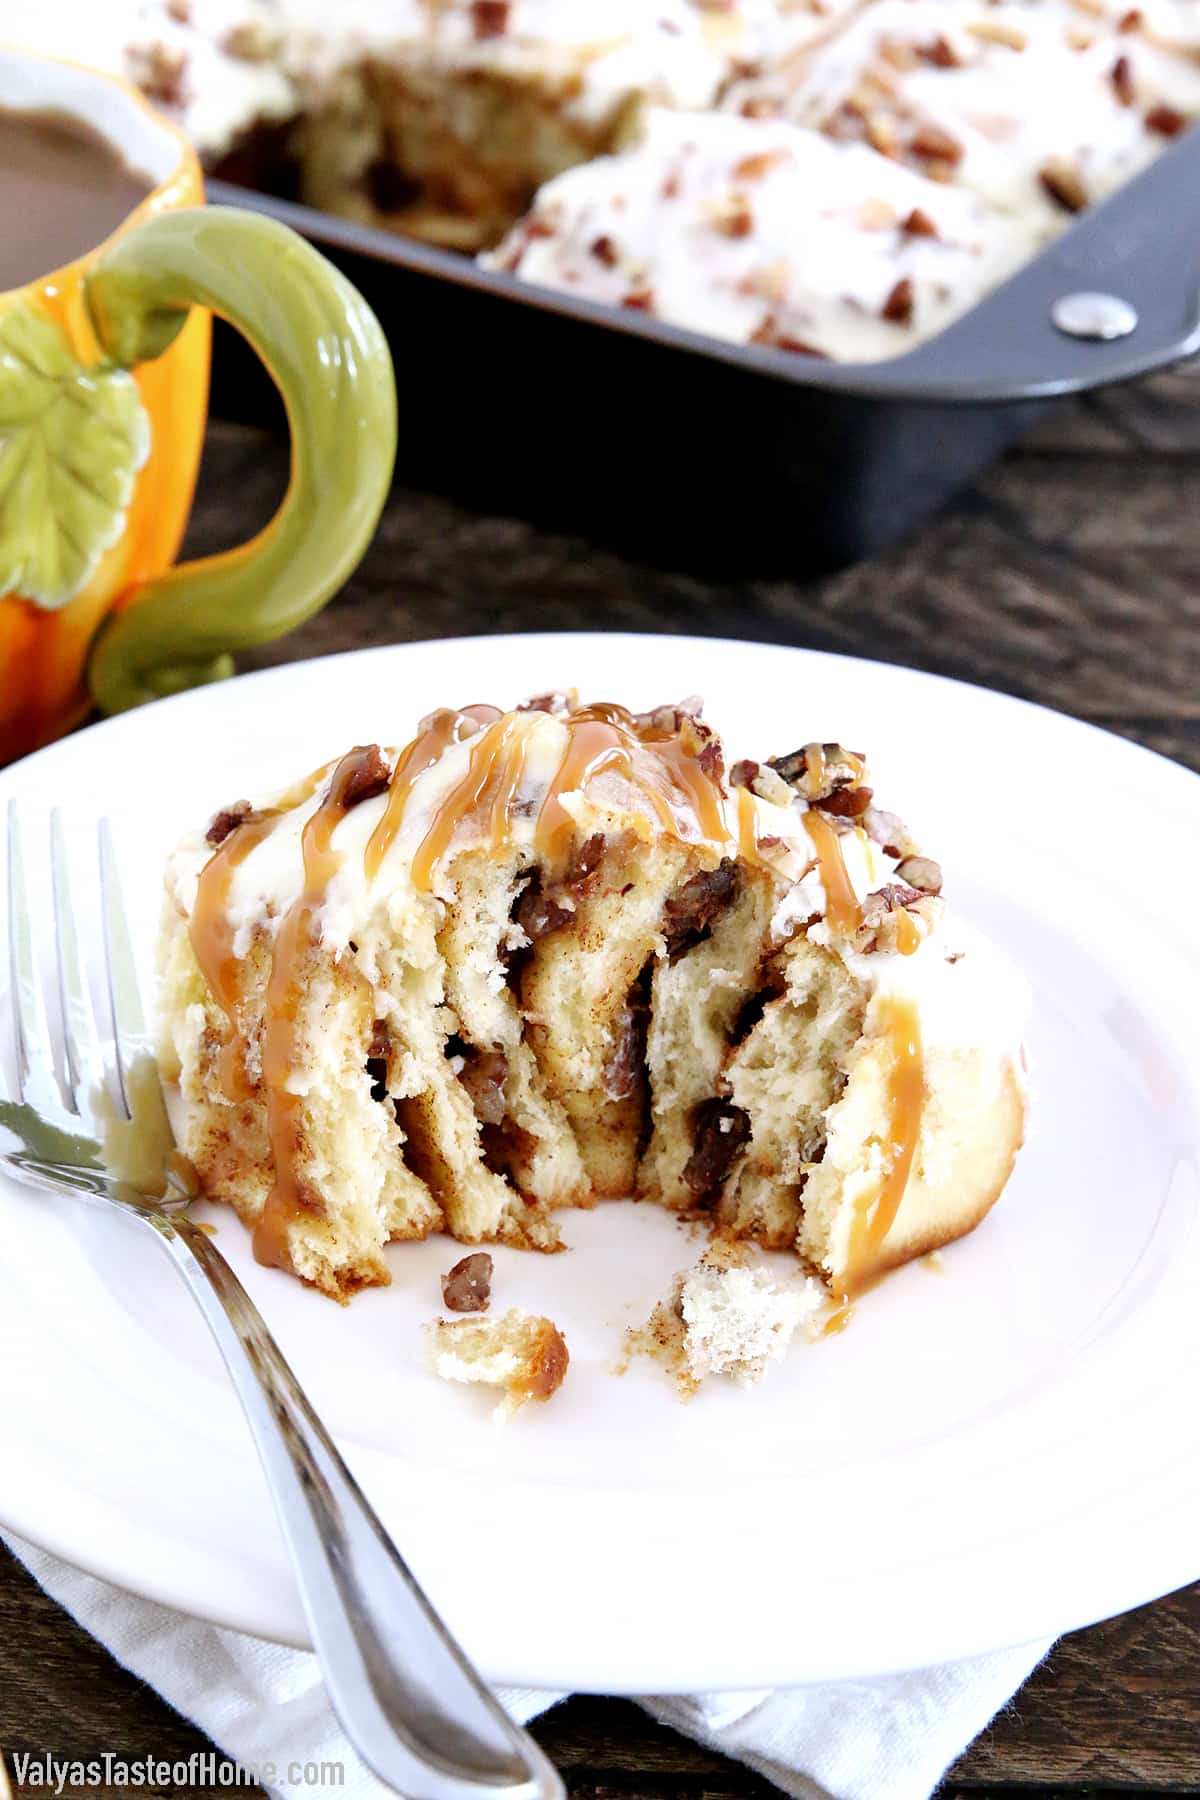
{"x": 1006, "y": 1449}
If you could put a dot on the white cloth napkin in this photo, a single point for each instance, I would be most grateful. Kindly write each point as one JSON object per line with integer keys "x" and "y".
{"x": 890, "y": 1739}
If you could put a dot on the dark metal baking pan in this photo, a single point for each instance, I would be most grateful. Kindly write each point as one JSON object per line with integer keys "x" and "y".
{"x": 699, "y": 453}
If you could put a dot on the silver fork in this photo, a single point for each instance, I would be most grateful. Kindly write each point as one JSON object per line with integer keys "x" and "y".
{"x": 406, "y": 1696}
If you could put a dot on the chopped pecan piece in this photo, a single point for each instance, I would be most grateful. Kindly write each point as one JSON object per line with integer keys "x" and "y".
{"x": 484, "y": 1074}
{"x": 225, "y": 821}
{"x": 689, "y": 913}
{"x": 467, "y": 1287}
{"x": 919, "y": 224}
{"x": 847, "y": 803}
{"x": 667, "y": 721}
{"x": 753, "y": 168}
{"x": 367, "y": 777}
{"x": 684, "y": 722}
{"x": 604, "y": 251}
{"x": 881, "y": 133}
{"x": 1063, "y": 184}
{"x": 774, "y": 337}
{"x": 639, "y": 300}
{"x": 818, "y": 770}
{"x": 160, "y": 71}
{"x": 762, "y": 780}
{"x": 625, "y": 1063}
{"x": 938, "y": 145}
{"x": 999, "y": 31}
{"x": 558, "y": 702}
{"x": 248, "y": 41}
{"x": 732, "y": 216}
{"x": 1121, "y": 77}
{"x": 1165, "y": 121}
{"x": 712, "y": 759}
{"x": 889, "y": 832}
{"x": 941, "y": 53}
{"x": 876, "y": 215}
{"x": 490, "y": 17}
{"x": 880, "y": 926}
{"x": 542, "y": 909}
{"x": 900, "y": 303}
{"x": 538, "y": 912}
{"x": 922, "y": 873}
{"x": 722, "y": 1132}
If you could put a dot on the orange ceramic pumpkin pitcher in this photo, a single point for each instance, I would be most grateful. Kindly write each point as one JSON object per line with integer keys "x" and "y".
{"x": 103, "y": 397}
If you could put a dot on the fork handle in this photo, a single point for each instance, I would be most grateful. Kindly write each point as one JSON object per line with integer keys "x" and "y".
{"x": 405, "y": 1694}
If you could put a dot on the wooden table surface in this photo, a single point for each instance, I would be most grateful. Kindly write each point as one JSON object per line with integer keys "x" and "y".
{"x": 1068, "y": 575}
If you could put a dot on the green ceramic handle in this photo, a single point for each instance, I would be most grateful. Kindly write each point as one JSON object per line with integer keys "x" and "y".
{"x": 325, "y": 349}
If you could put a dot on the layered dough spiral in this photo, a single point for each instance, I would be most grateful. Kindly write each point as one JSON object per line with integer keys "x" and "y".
{"x": 562, "y": 954}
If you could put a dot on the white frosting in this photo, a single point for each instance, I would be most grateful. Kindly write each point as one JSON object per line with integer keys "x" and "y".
{"x": 221, "y": 66}
{"x": 969, "y": 994}
{"x": 1026, "y": 85}
{"x": 216, "y": 72}
{"x": 268, "y": 880}
{"x": 679, "y": 50}
{"x": 756, "y": 231}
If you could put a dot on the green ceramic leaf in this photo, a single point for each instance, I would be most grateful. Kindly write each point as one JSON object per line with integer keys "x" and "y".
{"x": 71, "y": 441}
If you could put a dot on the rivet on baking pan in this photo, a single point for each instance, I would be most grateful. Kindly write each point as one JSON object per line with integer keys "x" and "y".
{"x": 1099, "y": 316}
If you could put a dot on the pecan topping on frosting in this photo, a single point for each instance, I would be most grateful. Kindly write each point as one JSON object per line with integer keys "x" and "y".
{"x": 370, "y": 776}
{"x": 762, "y": 780}
{"x": 1063, "y": 184}
{"x": 892, "y": 909}
{"x": 922, "y": 873}
{"x": 818, "y": 771}
{"x": 225, "y": 821}
{"x": 558, "y": 702}
{"x": 490, "y": 17}
{"x": 889, "y": 832}
{"x": 1165, "y": 121}
{"x": 684, "y": 722}
{"x": 901, "y": 301}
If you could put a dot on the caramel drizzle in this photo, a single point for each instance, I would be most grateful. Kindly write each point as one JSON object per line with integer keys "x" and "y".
{"x": 495, "y": 769}
{"x": 841, "y": 902}
{"x": 908, "y": 938}
{"x": 667, "y": 779}
{"x": 441, "y": 729}
{"x": 876, "y": 1214}
{"x": 212, "y": 932}
{"x": 298, "y": 930}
